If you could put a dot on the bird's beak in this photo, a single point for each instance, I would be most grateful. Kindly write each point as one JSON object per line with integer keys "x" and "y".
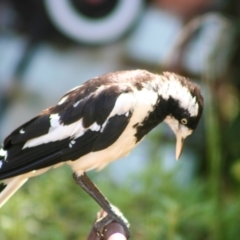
{"x": 179, "y": 145}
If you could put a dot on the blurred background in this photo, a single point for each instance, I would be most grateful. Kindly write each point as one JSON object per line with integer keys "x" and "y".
{"x": 50, "y": 46}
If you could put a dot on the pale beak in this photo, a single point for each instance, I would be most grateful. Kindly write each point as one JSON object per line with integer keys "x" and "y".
{"x": 179, "y": 145}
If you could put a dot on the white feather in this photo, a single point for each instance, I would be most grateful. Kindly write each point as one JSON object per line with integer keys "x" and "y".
{"x": 4, "y": 154}
{"x": 95, "y": 127}
{"x": 13, "y": 185}
{"x": 76, "y": 103}
{"x": 54, "y": 121}
{"x": 123, "y": 104}
{"x": 62, "y": 100}
{"x": 21, "y": 131}
{"x": 174, "y": 88}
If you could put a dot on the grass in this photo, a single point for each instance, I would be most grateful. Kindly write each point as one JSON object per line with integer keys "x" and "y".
{"x": 53, "y": 207}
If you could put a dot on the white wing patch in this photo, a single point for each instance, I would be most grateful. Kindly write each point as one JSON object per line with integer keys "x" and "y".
{"x": 58, "y": 132}
{"x": 95, "y": 127}
{"x": 72, "y": 143}
{"x": 54, "y": 121}
{"x": 62, "y": 100}
{"x": 4, "y": 154}
{"x": 21, "y": 131}
{"x": 76, "y": 103}
{"x": 124, "y": 103}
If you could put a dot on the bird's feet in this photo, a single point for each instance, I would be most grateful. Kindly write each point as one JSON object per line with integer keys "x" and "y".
{"x": 104, "y": 219}
{"x": 113, "y": 214}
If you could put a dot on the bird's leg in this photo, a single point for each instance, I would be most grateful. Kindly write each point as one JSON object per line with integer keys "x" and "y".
{"x": 113, "y": 214}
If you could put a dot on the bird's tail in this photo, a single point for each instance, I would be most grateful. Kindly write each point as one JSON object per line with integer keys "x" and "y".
{"x": 8, "y": 188}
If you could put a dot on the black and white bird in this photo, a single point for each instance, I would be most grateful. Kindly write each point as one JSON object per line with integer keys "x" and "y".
{"x": 97, "y": 123}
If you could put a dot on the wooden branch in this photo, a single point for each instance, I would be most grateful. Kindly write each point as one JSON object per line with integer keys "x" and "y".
{"x": 113, "y": 231}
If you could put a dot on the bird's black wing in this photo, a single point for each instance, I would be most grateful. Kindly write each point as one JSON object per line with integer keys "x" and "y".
{"x": 83, "y": 121}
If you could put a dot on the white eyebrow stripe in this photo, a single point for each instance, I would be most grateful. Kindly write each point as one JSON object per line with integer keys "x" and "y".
{"x": 173, "y": 88}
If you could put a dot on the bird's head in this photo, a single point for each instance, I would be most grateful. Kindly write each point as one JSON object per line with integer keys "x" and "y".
{"x": 183, "y": 106}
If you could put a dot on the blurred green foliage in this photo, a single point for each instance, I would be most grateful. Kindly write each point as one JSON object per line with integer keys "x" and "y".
{"x": 156, "y": 202}
{"x": 53, "y": 207}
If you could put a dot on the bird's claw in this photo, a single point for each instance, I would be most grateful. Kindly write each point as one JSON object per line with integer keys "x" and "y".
{"x": 101, "y": 224}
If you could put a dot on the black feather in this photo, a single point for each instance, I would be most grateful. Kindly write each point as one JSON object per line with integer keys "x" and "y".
{"x": 36, "y": 127}
{"x": 2, "y": 187}
{"x": 111, "y": 132}
{"x": 93, "y": 109}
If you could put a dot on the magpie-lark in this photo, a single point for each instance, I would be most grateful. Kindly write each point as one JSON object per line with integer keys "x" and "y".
{"x": 97, "y": 123}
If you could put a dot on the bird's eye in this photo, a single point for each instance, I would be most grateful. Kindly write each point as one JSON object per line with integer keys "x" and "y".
{"x": 184, "y": 121}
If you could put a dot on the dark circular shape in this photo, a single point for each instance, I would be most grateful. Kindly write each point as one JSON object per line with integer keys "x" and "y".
{"x": 95, "y": 8}
{"x": 120, "y": 16}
